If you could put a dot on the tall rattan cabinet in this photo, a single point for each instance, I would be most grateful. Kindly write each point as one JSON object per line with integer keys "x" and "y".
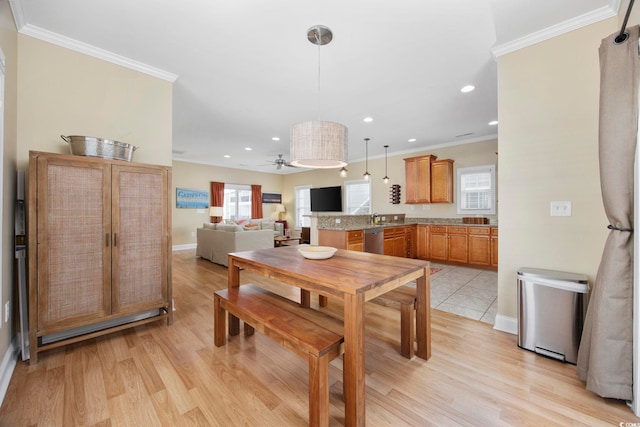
{"x": 99, "y": 247}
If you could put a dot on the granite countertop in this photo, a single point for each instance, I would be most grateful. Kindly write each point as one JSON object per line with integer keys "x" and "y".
{"x": 337, "y": 227}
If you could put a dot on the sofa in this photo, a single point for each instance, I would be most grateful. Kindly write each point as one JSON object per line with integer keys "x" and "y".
{"x": 216, "y": 241}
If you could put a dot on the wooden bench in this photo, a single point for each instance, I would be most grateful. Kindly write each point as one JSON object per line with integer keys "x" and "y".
{"x": 403, "y": 298}
{"x": 309, "y": 333}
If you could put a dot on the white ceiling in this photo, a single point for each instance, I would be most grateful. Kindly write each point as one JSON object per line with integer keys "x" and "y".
{"x": 246, "y": 72}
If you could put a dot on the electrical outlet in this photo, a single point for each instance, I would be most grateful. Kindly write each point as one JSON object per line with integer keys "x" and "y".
{"x": 561, "y": 208}
{"x": 337, "y": 220}
{"x": 6, "y": 311}
{"x": 193, "y": 234}
{"x": 395, "y": 217}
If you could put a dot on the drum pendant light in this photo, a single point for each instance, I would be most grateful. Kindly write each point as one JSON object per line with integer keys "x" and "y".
{"x": 319, "y": 144}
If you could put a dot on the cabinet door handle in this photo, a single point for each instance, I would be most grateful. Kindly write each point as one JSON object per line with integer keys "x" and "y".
{"x": 107, "y": 239}
{"x": 115, "y": 239}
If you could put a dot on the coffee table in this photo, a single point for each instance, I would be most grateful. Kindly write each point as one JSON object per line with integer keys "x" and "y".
{"x": 284, "y": 241}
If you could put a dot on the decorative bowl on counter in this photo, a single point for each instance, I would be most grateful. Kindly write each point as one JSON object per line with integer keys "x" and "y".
{"x": 317, "y": 252}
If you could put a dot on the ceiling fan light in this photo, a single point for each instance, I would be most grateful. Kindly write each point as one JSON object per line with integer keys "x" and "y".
{"x": 319, "y": 145}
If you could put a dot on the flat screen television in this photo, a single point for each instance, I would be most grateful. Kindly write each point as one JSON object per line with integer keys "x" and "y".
{"x": 326, "y": 199}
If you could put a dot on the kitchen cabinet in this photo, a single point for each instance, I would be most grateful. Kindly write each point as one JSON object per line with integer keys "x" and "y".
{"x": 438, "y": 242}
{"x": 342, "y": 239}
{"x": 355, "y": 240}
{"x": 494, "y": 247}
{"x": 442, "y": 181}
{"x": 395, "y": 243}
{"x": 428, "y": 180}
{"x": 99, "y": 247}
{"x": 422, "y": 241}
{"x": 457, "y": 241}
{"x": 410, "y": 237}
{"x": 475, "y": 246}
{"x": 418, "y": 179}
{"x": 400, "y": 241}
{"x": 479, "y": 246}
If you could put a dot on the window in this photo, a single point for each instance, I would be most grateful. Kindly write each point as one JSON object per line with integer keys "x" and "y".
{"x": 357, "y": 197}
{"x": 303, "y": 206}
{"x": 476, "y": 190}
{"x": 237, "y": 202}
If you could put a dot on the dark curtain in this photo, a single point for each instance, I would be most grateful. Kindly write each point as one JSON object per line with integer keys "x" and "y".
{"x": 605, "y": 357}
{"x": 256, "y": 201}
{"x": 217, "y": 196}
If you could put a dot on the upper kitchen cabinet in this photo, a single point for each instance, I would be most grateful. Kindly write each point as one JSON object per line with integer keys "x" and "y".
{"x": 442, "y": 181}
{"x": 418, "y": 179}
{"x": 428, "y": 180}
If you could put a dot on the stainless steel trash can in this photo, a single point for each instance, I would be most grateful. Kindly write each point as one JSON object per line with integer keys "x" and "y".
{"x": 551, "y": 310}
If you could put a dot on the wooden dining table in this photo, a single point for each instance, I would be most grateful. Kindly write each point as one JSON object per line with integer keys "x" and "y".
{"x": 355, "y": 278}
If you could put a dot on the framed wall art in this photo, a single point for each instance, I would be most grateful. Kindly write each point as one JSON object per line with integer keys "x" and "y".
{"x": 187, "y": 198}
{"x": 271, "y": 198}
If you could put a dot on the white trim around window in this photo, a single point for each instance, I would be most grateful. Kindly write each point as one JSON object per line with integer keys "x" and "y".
{"x": 476, "y": 190}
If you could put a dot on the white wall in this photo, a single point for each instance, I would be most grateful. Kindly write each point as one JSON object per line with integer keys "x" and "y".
{"x": 548, "y": 151}
{"x": 65, "y": 92}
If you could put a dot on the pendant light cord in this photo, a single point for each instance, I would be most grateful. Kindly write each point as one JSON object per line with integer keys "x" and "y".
{"x": 366, "y": 154}
{"x": 318, "y": 43}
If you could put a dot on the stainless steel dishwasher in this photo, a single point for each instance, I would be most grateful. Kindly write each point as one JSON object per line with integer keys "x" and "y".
{"x": 374, "y": 240}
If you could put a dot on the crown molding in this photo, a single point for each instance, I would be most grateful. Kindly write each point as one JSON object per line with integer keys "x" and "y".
{"x": 588, "y": 18}
{"x": 17, "y": 12}
{"x": 87, "y": 49}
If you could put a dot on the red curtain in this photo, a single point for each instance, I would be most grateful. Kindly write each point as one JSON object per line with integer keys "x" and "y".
{"x": 217, "y": 197}
{"x": 256, "y": 201}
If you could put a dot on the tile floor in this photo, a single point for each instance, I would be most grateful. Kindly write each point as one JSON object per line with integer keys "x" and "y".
{"x": 468, "y": 292}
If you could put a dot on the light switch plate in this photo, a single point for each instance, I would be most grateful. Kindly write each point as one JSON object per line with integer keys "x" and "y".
{"x": 561, "y": 208}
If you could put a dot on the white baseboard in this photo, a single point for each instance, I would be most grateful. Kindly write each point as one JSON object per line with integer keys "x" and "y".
{"x": 506, "y": 324}
{"x": 8, "y": 365}
{"x": 184, "y": 247}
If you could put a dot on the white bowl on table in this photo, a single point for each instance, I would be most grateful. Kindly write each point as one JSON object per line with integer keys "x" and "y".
{"x": 317, "y": 252}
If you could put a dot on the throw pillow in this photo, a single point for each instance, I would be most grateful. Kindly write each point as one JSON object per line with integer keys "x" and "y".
{"x": 243, "y": 221}
{"x": 249, "y": 227}
{"x": 209, "y": 225}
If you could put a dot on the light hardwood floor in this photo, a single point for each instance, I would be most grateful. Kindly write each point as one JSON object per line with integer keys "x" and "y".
{"x": 156, "y": 375}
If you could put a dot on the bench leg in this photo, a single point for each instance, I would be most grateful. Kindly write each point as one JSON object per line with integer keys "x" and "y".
{"x": 234, "y": 325}
{"x": 319, "y": 391}
{"x": 219, "y": 333}
{"x": 406, "y": 330}
{"x": 248, "y": 330}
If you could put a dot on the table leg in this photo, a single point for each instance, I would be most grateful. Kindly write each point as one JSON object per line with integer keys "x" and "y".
{"x": 353, "y": 364}
{"x": 423, "y": 315}
{"x": 233, "y": 282}
{"x": 305, "y": 298}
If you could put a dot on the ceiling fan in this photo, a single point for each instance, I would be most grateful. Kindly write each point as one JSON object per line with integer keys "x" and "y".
{"x": 279, "y": 162}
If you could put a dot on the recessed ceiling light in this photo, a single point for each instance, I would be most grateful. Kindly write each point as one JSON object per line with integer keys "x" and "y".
{"x": 467, "y": 88}
{"x": 275, "y": 138}
{"x": 493, "y": 122}
{"x": 412, "y": 140}
{"x": 248, "y": 148}
{"x": 368, "y": 119}
{"x": 226, "y": 156}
